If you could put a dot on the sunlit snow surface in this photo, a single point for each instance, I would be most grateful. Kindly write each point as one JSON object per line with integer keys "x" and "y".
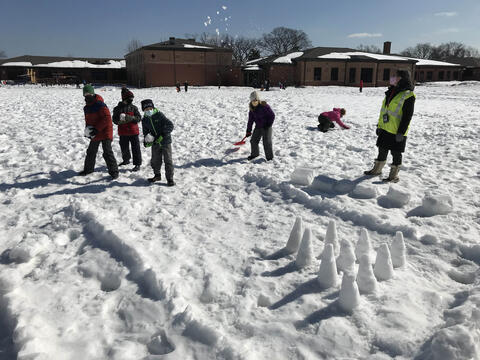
{"x": 99, "y": 269}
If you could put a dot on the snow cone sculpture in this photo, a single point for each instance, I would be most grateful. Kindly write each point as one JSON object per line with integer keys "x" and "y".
{"x": 366, "y": 281}
{"x": 295, "y": 236}
{"x": 304, "y": 256}
{"x": 399, "y": 257}
{"x": 331, "y": 236}
{"x": 363, "y": 245}
{"x": 383, "y": 269}
{"x": 346, "y": 259}
{"x": 349, "y": 296}
{"x": 327, "y": 275}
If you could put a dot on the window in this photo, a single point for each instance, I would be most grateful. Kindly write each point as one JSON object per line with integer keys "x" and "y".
{"x": 334, "y": 74}
{"x": 317, "y": 74}
{"x": 386, "y": 74}
{"x": 422, "y": 76}
{"x": 455, "y": 75}
{"x": 441, "y": 75}
{"x": 449, "y": 75}
{"x": 366, "y": 75}
{"x": 430, "y": 75}
{"x": 352, "y": 75}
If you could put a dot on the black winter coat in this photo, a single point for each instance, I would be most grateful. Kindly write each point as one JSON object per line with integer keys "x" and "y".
{"x": 387, "y": 140}
{"x": 158, "y": 125}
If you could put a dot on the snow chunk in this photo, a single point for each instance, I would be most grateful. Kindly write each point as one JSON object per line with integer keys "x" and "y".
{"x": 295, "y": 236}
{"x": 305, "y": 255}
{"x": 349, "y": 297}
{"x": 395, "y": 198}
{"x": 453, "y": 343}
{"x": 398, "y": 250}
{"x": 364, "y": 192}
{"x": 383, "y": 269}
{"x": 302, "y": 176}
{"x": 344, "y": 186}
{"x": 327, "y": 274}
{"x": 432, "y": 205}
{"x": 323, "y": 183}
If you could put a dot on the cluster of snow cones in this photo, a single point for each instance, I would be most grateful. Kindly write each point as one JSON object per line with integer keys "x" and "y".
{"x": 342, "y": 258}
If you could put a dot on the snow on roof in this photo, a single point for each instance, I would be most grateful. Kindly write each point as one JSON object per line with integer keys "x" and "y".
{"x": 256, "y": 60}
{"x": 19, "y": 63}
{"x": 252, "y": 68}
{"x": 348, "y": 55}
{"x": 287, "y": 59}
{"x": 112, "y": 64}
{"x": 426, "y": 62}
{"x": 190, "y": 46}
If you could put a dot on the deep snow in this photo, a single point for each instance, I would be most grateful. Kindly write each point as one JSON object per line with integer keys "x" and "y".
{"x": 94, "y": 269}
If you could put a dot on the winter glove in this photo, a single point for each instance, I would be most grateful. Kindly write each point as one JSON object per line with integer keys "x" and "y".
{"x": 399, "y": 137}
{"x": 159, "y": 140}
{"x": 378, "y": 131}
{"x": 90, "y": 132}
{"x": 147, "y": 144}
{"x": 248, "y": 134}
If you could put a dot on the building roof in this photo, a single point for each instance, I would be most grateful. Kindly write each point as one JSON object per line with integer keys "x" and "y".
{"x": 428, "y": 62}
{"x": 468, "y": 61}
{"x": 63, "y": 62}
{"x": 183, "y": 44}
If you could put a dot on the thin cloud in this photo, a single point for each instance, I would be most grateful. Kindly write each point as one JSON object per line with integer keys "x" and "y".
{"x": 447, "y": 13}
{"x": 364, "y": 35}
{"x": 448, "y": 31}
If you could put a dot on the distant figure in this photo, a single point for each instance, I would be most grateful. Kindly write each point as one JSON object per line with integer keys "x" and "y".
{"x": 361, "y": 85}
{"x": 393, "y": 124}
{"x": 267, "y": 85}
{"x": 185, "y": 84}
{"x": 326, "y": 119}
{"x": 263, "y": 116}
{"x": 177, "y": 86}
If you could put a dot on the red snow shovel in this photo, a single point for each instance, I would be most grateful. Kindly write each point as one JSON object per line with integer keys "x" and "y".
{"x": 241, "y": 142}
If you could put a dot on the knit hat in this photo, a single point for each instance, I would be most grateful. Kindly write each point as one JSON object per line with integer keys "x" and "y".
{"x": 146, "y": 103}
{"x": 88, "y": 89}
{"x": 255, "y": 96}
{"x": 126, "y": 94}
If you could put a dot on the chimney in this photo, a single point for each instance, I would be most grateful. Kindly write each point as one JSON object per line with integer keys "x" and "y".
{"x": 171, "y": 41}
{"x": 387, "y": 46}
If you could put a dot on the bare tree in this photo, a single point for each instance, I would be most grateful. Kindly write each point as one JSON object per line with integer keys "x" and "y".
{"x": 420, "y": 51}
{"x": 242, "y": 48}
{"x": 282, "y": 40}
{"x": 369, "y": 49}
{"x": 3, "y": 54}
{"x": 133, "y": 45}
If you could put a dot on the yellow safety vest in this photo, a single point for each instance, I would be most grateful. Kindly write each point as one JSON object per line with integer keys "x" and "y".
{"x": 394, "y": 111}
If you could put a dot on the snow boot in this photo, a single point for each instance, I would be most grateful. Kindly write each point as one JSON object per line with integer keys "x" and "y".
{"x": 136, "y": 168}
{"x": 170, "y": 183}
{"x": 251, "y": 157}
{"x": 124, "y": 162}
{"x": 155, "y": 178}
{"x": 377, "y": 168}
{"x": 84, "y": 172}
{"x": 393, "y": 176}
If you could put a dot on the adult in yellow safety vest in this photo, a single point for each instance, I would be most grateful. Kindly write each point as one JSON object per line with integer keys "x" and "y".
{"x": 393, "y": 124}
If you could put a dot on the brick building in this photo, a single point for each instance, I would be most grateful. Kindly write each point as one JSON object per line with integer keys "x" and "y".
{"x": 180, "y": 60}
{"x": 432, "y": 70}
{"x": 61, "y": 70}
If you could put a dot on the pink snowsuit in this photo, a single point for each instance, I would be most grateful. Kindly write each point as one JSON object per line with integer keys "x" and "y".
{"x": 334, "y": 116}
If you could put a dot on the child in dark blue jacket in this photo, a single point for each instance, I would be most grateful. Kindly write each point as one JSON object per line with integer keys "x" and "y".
{"x": 156, "y": 131}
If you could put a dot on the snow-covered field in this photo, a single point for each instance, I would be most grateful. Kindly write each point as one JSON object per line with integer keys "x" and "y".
{"x": 99, "y": 269}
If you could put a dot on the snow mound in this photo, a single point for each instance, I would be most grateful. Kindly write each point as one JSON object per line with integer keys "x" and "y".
{"x": 305, "y": 255}
{"x": 364, "y": 192}
{"x": 432, "y": 205}
{"x": 349, "y": 297}
{"x": 454, "y": 343}
{"x": 383, "y": 269}
{"x": 399, "y": 253}
{"x": 363, "y": 246}
{"x": 343, "y": 186}
{"x": 331, "y": 236}
{"x": 295, "y": 236}
{"x": 324, "y": 184}
{"x": 471, "y": 253}
{"x": 327, "y": 275}
{"x": 366, "y": 281}
{"x": 302, "y": 176}
{"x": 96, "y": 263}
{"x": 395, "y": 198}
{"x": 346, "y": 259}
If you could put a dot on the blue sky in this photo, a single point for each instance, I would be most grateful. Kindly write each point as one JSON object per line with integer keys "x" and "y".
{"x": 103, "y": 28}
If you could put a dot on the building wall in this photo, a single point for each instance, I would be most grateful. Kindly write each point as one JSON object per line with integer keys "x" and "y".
{"x": 434, "y": 73}
{"x": 146, "y": 68}
{"x": 284, "y": 73}
{"x": 471, "y": 73}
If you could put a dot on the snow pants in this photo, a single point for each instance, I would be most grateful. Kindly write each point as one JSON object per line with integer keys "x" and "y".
{"x": 125, "y": 141}
{"x": 324, "y": 123}
{"x": 165, "y": 152}
{"x": 383, "y": 153}
{"x": 107, "y": 155}
{"x": 266, "y": 135}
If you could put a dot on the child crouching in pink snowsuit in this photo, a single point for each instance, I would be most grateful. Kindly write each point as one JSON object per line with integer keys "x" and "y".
{"x": 326, "y": 119}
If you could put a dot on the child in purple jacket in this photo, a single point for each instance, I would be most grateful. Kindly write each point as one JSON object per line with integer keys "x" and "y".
{"x": 262, "y": 115}
{"x": 327, "y": 118}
